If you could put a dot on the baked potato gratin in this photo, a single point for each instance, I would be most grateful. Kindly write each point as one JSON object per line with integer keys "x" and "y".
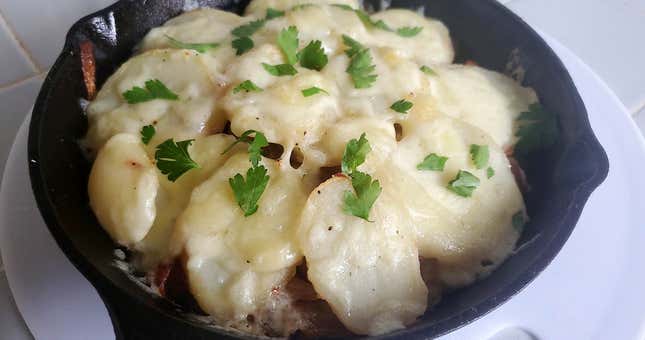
{"x": 309, "y": 169}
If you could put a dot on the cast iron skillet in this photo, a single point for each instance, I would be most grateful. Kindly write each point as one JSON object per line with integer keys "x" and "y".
{"x": 562, "y": 177}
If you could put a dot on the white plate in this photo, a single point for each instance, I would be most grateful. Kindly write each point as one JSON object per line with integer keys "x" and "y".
{"x": 592, "y": 290}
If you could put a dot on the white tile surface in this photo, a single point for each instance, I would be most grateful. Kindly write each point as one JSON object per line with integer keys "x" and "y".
{"x": 15, "y": 102}
{"x": 11, "y": 324}
{"x": 13, "y": 63}
{"x": 43, "y": 34}
{"x": 606, "y": 34}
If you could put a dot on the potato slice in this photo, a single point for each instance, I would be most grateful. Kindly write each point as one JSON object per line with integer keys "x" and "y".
{"x": 234, "y": 261}
{"x": 123, "y": 187}
{"x": 486, "y": 99}
{"x": 258, "y": 8}
{"x": 432, "y": 45}
{"x": 460, "y": 232}
{"x": 368, "y": 272}
{"x": 173, "y": 197}
{"x": 182, "y": 72}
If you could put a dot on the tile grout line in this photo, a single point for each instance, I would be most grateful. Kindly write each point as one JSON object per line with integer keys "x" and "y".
{"x": 20, "y": 82}
{"x": 22, "y": 47}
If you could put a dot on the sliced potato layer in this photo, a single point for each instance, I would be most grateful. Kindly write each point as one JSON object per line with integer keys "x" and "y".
{"x": 368, "y": 272}
{"x": 123, "y": 187}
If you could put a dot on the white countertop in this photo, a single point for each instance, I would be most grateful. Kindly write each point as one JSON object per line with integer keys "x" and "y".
{"x": 606, "y": 34}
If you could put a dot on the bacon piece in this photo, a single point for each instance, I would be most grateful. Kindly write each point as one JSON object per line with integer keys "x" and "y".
{"x": 88, "y": 67}
{"x": 518, "y": 172}
{"x": 471, "y": 63}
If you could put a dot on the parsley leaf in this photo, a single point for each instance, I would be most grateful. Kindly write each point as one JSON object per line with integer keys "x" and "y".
{"x": 288, "y": 42}
{"x": 248, "y": 191}
{"x": 247, "y": 86}
{"x": 464, "y": 184}
{"x": 242, "y": 45}
{"x": 408, "y": 32}
{"x": 255, "y": 145}
{"x": 248, "y": 29}
{"x": 301, "y": 6}
{"x": 490, "y": 172}
{"x": 313, "y": 91}
{"x": 538, "y": 130}
{"x": 199, "y": 47}
{"x": 343, "y": 6}
{"x": 273, "y": 13}
{"x": 427, "y": 70}
{"x": 479, "y": 154}
{"x": 313, "y": 56}
{"x": 355, "y": 153}
{"x": 518, "y": 221}
{"x": 354, "y": 46}
{"x": 173, "y": 158}
{"x": 147, "y": 132}
{"x": 361, "y": 69}
{"x": 402, "y": 106}
{"x": 360, "y": 202}
{"x": 280, "y": 70}
{"x": 154, "y": 89}
{"x": 433, "y": 162}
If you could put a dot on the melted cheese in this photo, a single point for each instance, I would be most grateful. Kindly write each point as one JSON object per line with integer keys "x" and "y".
{"x": 173, "y": 197}
{"x": 183, "y": 72}
{"x": 122, "y": 188}
{"x": 226, "y": 249}
{"x": 280, "y": 111}
{"x": 367, "y": 271}
{"x": 459, "y": 232}
{"x": 486, "y": 99}
{"x": 258, "y": 8}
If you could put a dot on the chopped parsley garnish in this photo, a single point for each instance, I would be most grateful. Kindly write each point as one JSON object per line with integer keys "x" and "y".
{"x": 273, "y": 13}
{"x": 518, "y": 221}
{"x": 402, "y": 106}
{"x": 354, "y": 46}
{"x": 247, "y": 86}
{"x": 355, "y": 153}
{"x": 154, "y": 89}
{"x": 301, "y": 6}
{"x": 248, "y": 191}
{"x": 490, "y": 172}
{"x": 427, "y": 70}
{"x": 173, "y": 158}
{"x": 366, "y": 190}
{"x": 199, "y": 47}
{"x": 147, "y": 132}
{"x": 408, "y": 32}
{"x": 242, "y": 45}
{"x": 255, "y": 145}
{"x": 433, "y": 162}
{"x": 538, "y": 130}
{"x": 248, "y": 29}
{"x": 313, "y": 91}
{"x": 360, "y": 67}
{"x": 288, "y": 43}
{"x": 280, "y": 70}
{"x": 464, "y": 184}
{"x": 343, "y": 6}
{"x": 479, "y": 154}
{"x": 360, "y": 202}
{"x": 313, "y": 56}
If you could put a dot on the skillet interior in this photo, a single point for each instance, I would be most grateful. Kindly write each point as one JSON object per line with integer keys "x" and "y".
{"x": 562, "y": 177}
